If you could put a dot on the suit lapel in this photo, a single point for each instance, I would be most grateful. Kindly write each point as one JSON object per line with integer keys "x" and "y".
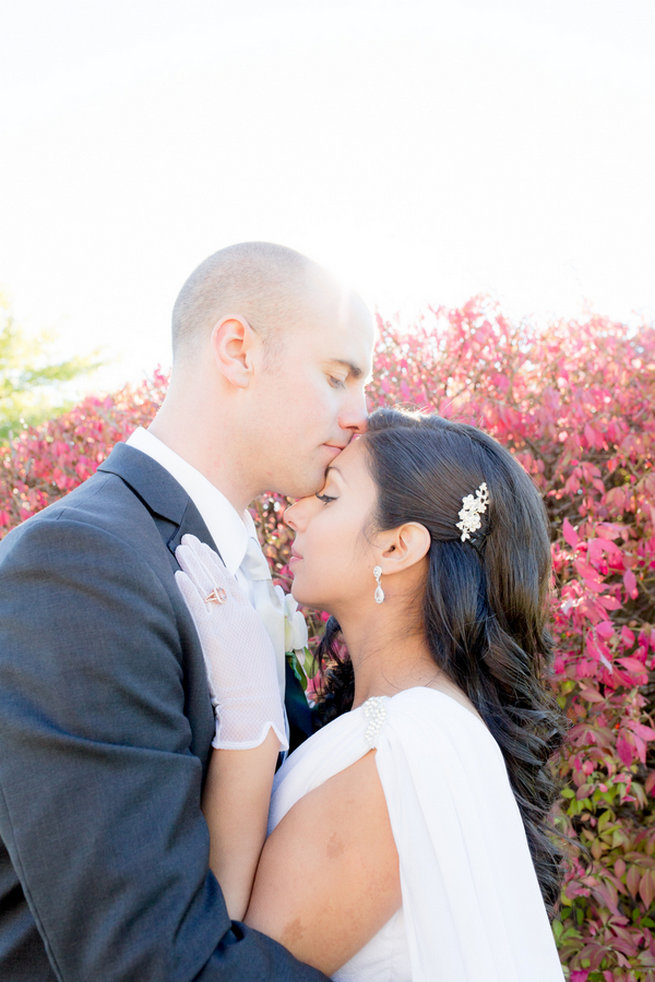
{"x": 176, "y": 515}
{"x": 168, "y": 502}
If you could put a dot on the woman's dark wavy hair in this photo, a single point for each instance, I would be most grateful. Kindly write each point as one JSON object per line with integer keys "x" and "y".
{"x": 485, "y": 607}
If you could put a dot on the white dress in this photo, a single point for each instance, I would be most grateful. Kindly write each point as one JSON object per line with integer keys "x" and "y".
{"x": 471, "y": 904}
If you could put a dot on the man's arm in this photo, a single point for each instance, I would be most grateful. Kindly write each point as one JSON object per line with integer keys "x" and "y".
{"x": 100, "y": 792}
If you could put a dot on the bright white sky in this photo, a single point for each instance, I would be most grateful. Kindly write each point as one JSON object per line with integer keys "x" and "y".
{"x": 425, "y": 150}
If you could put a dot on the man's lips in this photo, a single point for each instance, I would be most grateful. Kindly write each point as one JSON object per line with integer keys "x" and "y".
{"x": 336, "y": 448}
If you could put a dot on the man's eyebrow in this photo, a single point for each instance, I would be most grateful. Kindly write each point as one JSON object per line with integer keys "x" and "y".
{"x": 353, "y": 369}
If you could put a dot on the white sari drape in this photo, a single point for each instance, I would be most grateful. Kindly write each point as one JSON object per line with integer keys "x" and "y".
{"x": 472, "y": 908}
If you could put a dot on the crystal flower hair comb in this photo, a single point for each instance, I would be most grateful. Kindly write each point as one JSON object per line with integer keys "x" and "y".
{"x": 473, "y": 507}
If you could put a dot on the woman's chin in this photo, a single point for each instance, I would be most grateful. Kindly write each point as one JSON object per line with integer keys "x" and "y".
{"x": 306, "y": 598}
{"x": 298, "y": 594}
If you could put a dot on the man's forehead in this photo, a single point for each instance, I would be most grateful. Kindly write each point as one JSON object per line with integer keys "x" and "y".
{"x": 347, "y": 334}
{"x": 358, "y": 330}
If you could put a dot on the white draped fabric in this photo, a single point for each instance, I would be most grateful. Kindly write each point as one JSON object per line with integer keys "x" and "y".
{"x": 471, "y": 908}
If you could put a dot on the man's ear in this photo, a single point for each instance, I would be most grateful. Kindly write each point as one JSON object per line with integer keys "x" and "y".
{"x": 403, "y": 547}
{"x": 234, "y": 346}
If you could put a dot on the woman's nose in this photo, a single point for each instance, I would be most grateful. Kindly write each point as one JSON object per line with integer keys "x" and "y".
{"x": 289, "y": 516}
{"x": 296, "y": 515}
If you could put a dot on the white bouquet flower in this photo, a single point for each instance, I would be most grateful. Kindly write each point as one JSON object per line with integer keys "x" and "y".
{"x": 295, "y": 639}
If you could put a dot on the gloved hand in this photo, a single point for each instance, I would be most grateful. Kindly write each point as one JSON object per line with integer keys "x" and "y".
{"x": 238, "y": 652}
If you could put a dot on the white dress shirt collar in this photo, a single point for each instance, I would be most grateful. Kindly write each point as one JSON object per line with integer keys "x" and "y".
{"x": 229, "y": 530}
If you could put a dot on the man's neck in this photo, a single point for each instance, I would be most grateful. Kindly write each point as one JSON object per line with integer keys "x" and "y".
{"x": 213, "y": 459}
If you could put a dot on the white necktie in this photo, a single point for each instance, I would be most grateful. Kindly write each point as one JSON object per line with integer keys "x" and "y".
{"x": 266, "y": 601}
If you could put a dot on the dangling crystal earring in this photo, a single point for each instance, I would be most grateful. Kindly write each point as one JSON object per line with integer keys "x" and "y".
{"x": 379, "y": 592}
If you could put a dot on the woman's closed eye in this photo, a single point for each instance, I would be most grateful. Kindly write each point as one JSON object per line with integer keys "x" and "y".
{"x": 325, "y": 498}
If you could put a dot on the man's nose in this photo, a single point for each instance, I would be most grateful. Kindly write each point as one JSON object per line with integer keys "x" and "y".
{"x": 354, "y": 413}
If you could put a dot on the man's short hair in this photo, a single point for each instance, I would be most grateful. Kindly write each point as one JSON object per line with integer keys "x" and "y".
{"x": 268, "y": 284}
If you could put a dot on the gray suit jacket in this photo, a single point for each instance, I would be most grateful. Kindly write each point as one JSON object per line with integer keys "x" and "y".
{"x": 105, "y": 731}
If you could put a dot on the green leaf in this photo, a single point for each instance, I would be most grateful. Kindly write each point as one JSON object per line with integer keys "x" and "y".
{"x": 297, "y": 668}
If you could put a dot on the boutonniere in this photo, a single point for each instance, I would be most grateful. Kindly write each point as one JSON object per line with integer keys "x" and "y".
{"x": 296, "y": 650}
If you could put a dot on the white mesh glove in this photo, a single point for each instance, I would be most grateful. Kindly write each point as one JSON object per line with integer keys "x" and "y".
{"x": 239, "y": 655}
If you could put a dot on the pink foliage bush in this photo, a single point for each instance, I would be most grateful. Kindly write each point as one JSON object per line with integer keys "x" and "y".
{"x": 46, "y": 461}
{"x": 576, "y": 405}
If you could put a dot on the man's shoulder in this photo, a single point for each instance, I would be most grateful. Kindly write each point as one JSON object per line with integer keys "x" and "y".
{"x": 104, "y": 504}
{"x": 131, "y": 503}
{"x": 94, "y": 500}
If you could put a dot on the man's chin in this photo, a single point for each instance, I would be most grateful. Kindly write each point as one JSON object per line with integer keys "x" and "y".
{"x": 305, "y": 488}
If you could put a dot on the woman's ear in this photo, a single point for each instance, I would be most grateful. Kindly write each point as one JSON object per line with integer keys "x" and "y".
{"x": 234, "y": 346}
{"x": 404, "y": 547}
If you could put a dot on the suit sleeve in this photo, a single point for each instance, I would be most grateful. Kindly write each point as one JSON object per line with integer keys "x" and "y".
{"x": 99, "y": 789}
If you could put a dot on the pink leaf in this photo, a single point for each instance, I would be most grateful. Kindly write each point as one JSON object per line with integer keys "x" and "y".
{"x": 632, "y": 880}
{"x": 630, "y": 583}
{"x": 645, "y": 732}
{"x": 647, "y": 888}
{"x": 570, "y": 534}
{"x": 625, "y": 751}
{"x": 633, "y": 665}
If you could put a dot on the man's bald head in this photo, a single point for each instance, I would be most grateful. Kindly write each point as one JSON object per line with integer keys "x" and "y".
{"x": 271, "y": 360}
{"x": 269, "y": 285}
